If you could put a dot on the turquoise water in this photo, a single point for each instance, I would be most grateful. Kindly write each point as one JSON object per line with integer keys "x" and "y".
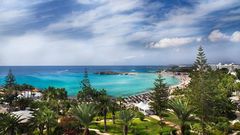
{"x": 115, "y": 85}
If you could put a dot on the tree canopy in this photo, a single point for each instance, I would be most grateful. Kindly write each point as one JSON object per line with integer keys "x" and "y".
{"x": 159, "y": 96}
{"x": 10, "y": 81}
{"x": 238, "y": 73}
{"x": 54, "y": 93}
{"x": 209, "y": 91}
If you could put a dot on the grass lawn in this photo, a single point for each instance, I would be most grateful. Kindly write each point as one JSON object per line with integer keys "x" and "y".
{"x": 147, "y": 127}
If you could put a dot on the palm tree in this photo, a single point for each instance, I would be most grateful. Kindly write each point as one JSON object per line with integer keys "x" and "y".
{"x": 104, "y": 105}
{"x": 126, "y": 117}
{"x": 47, "y": 95}
{"x": 182, "y": 111}
{"x": 54, "y": 93}
{"x": 85, "y": 113}
{"x": 120, "y": 100}
{"x": 9, "y": 124}
{"x": 113, "y": 108}
{"x": 38, "y": 121}
{"x": 44, "y": 117}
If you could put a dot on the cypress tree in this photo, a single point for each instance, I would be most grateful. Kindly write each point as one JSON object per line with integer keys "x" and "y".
{"x": 10, "y": 81}
{"x": 159, "y": 97}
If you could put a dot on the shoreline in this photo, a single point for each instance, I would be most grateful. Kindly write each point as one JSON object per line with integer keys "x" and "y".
{"x": 183, "y": 78}
{"x": 145, "y": 96}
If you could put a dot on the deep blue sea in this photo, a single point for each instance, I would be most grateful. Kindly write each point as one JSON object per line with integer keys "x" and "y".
{"x": 69, "y": 77}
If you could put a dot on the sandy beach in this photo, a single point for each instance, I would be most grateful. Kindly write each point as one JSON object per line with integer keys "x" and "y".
{"x": 183, "y": 77}
{"x": 145, "y": 96}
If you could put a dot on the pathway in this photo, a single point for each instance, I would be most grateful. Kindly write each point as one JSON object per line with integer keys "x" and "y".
{"x": 98, "y": 131}
{"x": 169, "y": 123}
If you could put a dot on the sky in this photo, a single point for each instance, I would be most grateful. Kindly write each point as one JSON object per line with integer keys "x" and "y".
{"x": 118, "y": 32}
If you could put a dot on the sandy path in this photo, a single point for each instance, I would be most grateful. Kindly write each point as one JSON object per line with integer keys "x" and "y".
{"x": 98, "y": 131}
{"x": 169, "y": 123}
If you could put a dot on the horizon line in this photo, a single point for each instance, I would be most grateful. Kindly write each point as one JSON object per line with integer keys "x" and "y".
{"x": 107, "y": 65}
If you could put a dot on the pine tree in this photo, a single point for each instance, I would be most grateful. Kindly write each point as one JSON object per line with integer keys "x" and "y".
{"x": 159, "y": 96}
{"x": 208, "y": 92}
{"x": 85, "y": 83}
{"x": 201, "y": 62}
{"x": 198, "y": 94}
{"x": 10, "y": 81}
{"x": 87, "y": 93}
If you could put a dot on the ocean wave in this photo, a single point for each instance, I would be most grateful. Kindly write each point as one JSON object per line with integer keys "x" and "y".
{"x": 62, "y": 71}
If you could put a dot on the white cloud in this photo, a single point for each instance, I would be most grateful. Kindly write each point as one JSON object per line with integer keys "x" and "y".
{"x": 40, "y": 49}
{"x": 15, "y": 11}
{"x": 231, "y": 18}
{"x": 113, "y": 26}
{"x": 104, "y": 11}
{"x": 173, "y": 42}
{"x": 90, "y": 1}
{"x": 217, "y": 35}
{"x": 108, "y": 19}
{"x": 186, "y": 21}
{"x": 130, "y": 57}
{"x": 12, "y": 15}
{"x": 235, "y": 36}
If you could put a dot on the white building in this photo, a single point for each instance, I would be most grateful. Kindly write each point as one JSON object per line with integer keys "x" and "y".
{"x": 143, "y": 107}
{"x": 30, "y": 94}
{"x": 231, "y": 67}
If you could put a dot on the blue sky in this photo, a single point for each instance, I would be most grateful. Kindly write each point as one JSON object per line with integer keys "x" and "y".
{"x": 118, "y": 32}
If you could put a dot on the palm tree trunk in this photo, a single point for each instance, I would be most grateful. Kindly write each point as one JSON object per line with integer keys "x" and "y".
{"x": 125, "y": 129}
{"x": 40, "y": 130}
{"x": 182, "y": 129}
{"x": 86, "y": 131}
{"x": 48, "y": 129}
{"x": 160, "y": 121}
{"x": 113, "y": 117}
{"x": 11, "y": 132}
{"x": 203, "y": 125}
{"x": 105, "y": 120}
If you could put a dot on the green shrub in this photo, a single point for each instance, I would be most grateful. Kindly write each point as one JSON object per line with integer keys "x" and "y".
{"x": 166, "y": 131}
{"x": 223, "y": 125}
{"x": 179, "y": 91}
{"x": 22, "y": 103}
{"x": 196, "y": 128}
{"x": 141, "y": 116}
{"x": 236, "y": 126}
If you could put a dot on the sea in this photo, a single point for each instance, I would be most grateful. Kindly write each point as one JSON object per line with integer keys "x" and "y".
{"x": 69, "y": 77}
